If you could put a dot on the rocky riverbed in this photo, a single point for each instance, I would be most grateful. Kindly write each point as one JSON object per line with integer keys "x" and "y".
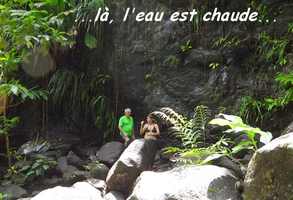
{"x": 140, "y": 172}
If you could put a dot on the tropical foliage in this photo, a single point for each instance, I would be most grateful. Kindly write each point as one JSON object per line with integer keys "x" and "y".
{"x": 77, "y": 93}
{"x": 252, "y": 109}
{"x": 236, "y": 126}
{"x": 24, "y": 171}
{"x": 192, "y": 133}
{"x": 25, "y": 25}
{"x": 273, "y": 49}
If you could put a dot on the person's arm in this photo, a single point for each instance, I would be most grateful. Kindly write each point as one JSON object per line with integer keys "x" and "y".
{"x": 121, "y": 130}
{"x": 142, "y": 128}
{"x": 133, "y": 129}
{"x": 120, "y": 124}
{"x": 133, "y": 135}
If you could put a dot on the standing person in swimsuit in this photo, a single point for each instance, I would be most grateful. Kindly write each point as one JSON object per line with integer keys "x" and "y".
{"x": 150, "y": 129}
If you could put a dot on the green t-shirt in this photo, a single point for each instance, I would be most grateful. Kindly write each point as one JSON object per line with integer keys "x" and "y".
{"x": 127, "y": 124}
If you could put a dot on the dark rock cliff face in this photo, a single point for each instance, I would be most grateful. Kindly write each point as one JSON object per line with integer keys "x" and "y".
{"x": 151, "y": 70}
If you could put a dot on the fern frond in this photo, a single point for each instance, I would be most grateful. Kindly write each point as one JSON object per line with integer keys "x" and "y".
{"x": 189, "y": 131}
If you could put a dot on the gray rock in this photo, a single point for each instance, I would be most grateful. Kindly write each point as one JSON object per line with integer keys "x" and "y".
{"x": 79, "y": 191}
{"x": 187, "y": 182}
{"x": 202, "y": 57}
{"x": 62, "y": 164}
{"x": 55, "y": 145}
{"x": 231, "y": 165}
{"x": 138, "y": 157}
{"x": 74, "y": 160}
{"x": 13, "y": 191}
{"x": 85, "y": 152}
{"x": 72, "y": 175}
{"x": 98, "y": 170}
{"x": 113, "y": 195}
{"x": 269, "y": 174}
{"x": 110, "y": 152}
{"x": 52, "y": 181}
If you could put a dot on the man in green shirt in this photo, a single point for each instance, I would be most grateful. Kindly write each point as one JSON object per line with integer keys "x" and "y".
{"x": 126, "y": 126}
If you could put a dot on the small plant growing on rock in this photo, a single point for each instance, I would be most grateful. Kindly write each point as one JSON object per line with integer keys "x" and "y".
{"x": 214, "y": 65}
{"x": 273, "y": 50}
{"x": 24, "y": 171}
{"x": 172, "y": 60}
{"x": 186, "y": 47}
{"x": 226, "y": 42}
{"x": 257, "y": 110}
{"x": 2, "y": 196}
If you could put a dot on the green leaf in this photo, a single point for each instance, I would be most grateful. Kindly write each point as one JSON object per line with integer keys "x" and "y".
{"x": 247, "y": 144}
{"x": 211, "y": 158}
{"x": 30, "y": 173}
{"x": 232, "y": 118}
{"x": 14, "y": 89}
{"x": 266, "y": 137}
{"x": 46, "y": 167}
{"x": 90, "y": 41}
{"x": 220, "y": 122}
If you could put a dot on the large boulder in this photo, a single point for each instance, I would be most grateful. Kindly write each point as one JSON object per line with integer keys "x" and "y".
{"x": 138, "y": 157}
{"x": 269, "y": 174}
{"x": 79, "y": 191}
{"x": 110, "y": 152}
{"x": 288, "y": 129}
{"x": 74, "y": 160}
{"x": 113, "y": 195}
{"x": 230, "y": 164}
{"x": 70, "y": 173}
{"x": 188, "y": 183}
{"x": 85, "y": 151}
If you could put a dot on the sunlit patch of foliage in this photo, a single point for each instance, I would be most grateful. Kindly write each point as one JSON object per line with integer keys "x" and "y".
{"x": 192, "y": 134}
{"x": 258, "y": 110}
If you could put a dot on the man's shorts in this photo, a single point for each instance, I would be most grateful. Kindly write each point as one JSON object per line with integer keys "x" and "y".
{"x": 123, "y": 135}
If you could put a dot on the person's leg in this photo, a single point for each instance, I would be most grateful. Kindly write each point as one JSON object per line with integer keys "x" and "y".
{"x": 126, "y": 139}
